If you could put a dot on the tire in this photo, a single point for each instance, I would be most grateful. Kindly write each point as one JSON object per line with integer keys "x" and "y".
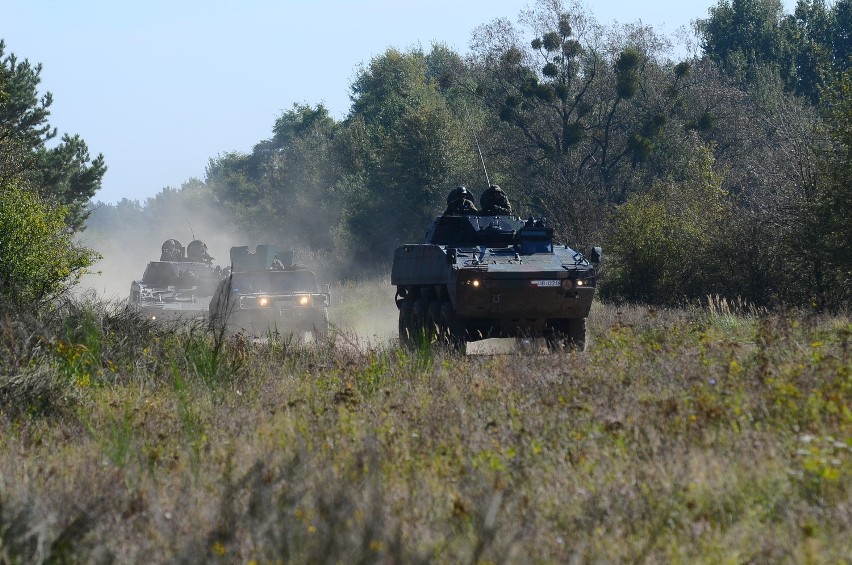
{"x": 405, "y": 335}
{"x": 427, "y": 293}
{"x": 454, "y": 332}
{"x": 417, "y": 327}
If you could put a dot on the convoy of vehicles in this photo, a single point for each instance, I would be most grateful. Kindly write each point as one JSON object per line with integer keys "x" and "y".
{"x": 475, "y": 276}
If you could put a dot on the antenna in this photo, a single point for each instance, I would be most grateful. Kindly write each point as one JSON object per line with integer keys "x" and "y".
{"x": 190, "y": 229}
{"x": 481, "y": 158}
{"x": 478, "y": 149}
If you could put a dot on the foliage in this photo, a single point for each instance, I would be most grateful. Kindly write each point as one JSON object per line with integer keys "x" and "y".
{"x": 38, "y": 257}
{"x": 827, "y": 216}
{"x": 582, "y": 113}
{"x": 415, "y": 147}
{"x": 63, "y": 174}
{"x": 743, "y": 34}
{"x": 669, "y": 245}
{"x": 284, "y": 191}
{"x": 804, "y": 48}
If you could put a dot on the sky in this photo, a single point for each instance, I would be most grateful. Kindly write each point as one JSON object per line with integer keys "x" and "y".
{"x": 161, "y": 87}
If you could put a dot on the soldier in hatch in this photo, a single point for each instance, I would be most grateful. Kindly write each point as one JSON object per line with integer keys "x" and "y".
{"x": 460, "y": 203}
{"x": 172, "y": 250}
{"x": 197, "y": 251}
{"x": 494, "y": 202}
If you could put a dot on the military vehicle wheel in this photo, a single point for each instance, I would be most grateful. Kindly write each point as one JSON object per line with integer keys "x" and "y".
{"x": 418, "y": 328}
{"x": 405, "y": 322}
{"x": 453, "y": 331}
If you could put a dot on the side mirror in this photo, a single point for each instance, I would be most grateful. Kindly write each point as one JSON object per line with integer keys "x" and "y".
{"x": 596, "y": 255}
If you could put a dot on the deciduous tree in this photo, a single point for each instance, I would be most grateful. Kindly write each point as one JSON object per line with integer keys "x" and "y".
{"x": 63, "y": 174}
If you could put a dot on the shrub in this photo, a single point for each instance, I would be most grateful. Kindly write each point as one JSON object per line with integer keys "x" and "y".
{"x": 38, "y": 257}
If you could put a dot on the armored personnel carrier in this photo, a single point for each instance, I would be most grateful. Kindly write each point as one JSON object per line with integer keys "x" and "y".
{"x": 266, "y": 292}
{"x": 478, "y": 277}
{"x": 179, "y": 286}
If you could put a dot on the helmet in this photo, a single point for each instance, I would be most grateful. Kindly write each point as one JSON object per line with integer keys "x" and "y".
{"x": 171, "y": 250}
{"x": 492, "y": 196}
{"x": 197, "y": 251}
{"x": 170, "y": 245}
{"x": 458, "y": 193}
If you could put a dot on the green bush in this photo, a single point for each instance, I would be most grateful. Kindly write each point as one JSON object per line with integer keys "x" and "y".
{"x": 38, "y": 256}
{"x": 667, "y": 245}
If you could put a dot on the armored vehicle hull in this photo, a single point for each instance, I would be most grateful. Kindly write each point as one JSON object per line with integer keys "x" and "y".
{"x": 175, "y": 289}
{"x": 262, "y": 296}
{"x": 498, "y": 276}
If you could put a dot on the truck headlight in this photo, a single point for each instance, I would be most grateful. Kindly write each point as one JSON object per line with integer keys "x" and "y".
{"x": 263, "y": 301}
{"x": 304, "y": 300}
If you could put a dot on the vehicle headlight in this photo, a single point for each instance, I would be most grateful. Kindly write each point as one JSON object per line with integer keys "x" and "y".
{"x": 475, "y": 283}
{"x": 263, "y": 301}
{"x": 304, "y": 300}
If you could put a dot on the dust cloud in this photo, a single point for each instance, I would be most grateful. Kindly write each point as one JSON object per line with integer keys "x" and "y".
{"x": 129, "y": 238}
{"x": 129, "y": 235}
{"x": 364, "y": 311}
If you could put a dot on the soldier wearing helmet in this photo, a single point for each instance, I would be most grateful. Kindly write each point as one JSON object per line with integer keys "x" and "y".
{"x": 460, "y": 203}
{"x": 494, "y": 202}
{"x": 172, "y": 250}
{"x": 197, "y": 251}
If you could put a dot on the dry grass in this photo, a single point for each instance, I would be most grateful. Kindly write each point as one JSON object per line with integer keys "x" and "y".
{"x": 673, "y": 438}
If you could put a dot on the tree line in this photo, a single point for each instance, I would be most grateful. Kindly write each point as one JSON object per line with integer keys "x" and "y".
{"x": 723, "y": 174}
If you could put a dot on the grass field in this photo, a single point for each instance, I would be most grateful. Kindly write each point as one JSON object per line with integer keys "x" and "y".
{"x": 703, "y": 435}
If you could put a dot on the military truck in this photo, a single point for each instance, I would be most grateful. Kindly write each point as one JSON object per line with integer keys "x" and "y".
{"x": 476, "y": 277}
{"x": 267, "y": 293}
{"x": 179, "y": 286}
